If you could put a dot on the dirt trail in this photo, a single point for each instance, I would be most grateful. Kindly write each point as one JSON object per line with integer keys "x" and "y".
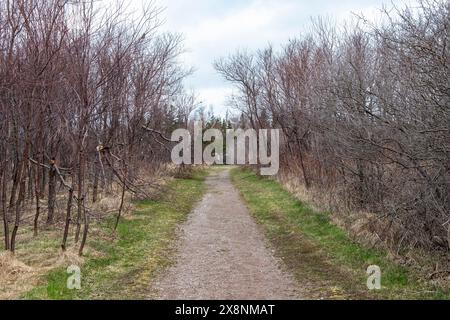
{"x": 222, "y": 253}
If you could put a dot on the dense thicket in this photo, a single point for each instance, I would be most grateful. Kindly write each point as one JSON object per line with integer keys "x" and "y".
{"x": 365, "y": 114}
{"x": 79, "y": 86}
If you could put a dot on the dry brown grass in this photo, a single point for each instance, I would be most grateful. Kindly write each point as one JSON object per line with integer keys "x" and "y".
{"x": 15, "y": 276}
{"x": 360, "y": 225}
{"x": 369, "y": 229}
{"x": 36, "y": 256}
{"x": 21, "y": 272}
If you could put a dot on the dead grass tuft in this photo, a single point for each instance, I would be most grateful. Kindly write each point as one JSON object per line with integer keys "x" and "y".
{"x": 15, "y": 276}
{"x": 367, "y": 228}
{"x": 69, "y": 257}
{"x": 36, "y": 255}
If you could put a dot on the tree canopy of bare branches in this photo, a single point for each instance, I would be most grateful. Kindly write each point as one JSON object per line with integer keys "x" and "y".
{"x": 364, "y": 110}
{"x": 78, "y": 84}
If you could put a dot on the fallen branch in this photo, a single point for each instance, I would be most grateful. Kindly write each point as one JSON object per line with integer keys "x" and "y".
{"x": 431, "y": 275}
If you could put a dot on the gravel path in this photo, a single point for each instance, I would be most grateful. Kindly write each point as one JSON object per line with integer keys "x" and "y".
{"x": 222, "y": 253}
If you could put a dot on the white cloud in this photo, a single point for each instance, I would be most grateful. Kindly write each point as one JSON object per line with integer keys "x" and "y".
{"x": 239, "y": 26}
{"x": 215, "y": 97}
{"x": 217, "y": 28}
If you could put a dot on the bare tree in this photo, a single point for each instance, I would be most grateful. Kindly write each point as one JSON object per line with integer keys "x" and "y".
{"x": 77, "y": 85}
{"x": 364, "y": 111}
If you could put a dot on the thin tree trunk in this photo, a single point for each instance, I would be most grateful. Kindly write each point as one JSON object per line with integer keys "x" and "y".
{"x": 80, "y": 195}
{"x": 121, "y": 206}
{"x": 85, "y": 232}
{"x": 305, "y": 176}
{"x": 31, "y": 173}
{"x": 3, "y": 208}
{"x": 68, "y": 219}
{"x": 19, "y": 201}
{"x": 51, "y": 193}
{"x": 43, "y": 180}
{"x": 95, "y": 185}
{"x": 12, "y": 199}
{"x": 37, "y": 194}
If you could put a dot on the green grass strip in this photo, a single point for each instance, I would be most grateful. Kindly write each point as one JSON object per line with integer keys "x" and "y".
{"x": 122, "y": 268}
{"x": 319, "y": 253}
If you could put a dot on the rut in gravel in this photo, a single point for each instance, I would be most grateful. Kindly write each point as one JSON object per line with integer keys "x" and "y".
{"x": 222, "y": 253}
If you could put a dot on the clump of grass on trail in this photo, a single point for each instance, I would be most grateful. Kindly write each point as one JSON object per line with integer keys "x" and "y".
{"x": 122, "y": 266}
{"x": 319, "y": 253}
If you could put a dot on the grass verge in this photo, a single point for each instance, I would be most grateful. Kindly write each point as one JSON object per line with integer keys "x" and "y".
{"x": 122, "y": 266}
{"x": 319, "y": 254}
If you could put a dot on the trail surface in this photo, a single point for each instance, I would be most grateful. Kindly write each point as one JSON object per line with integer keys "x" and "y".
{"x": 222, "y": 253}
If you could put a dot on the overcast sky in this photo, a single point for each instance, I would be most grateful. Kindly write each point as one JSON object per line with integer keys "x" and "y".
{"x": 216, "y": 28}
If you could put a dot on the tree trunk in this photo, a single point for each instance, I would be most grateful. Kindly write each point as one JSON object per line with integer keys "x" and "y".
{"x": 3, "y": 208}
{"x": 31, "y": 173}
{"x": 37, "y": 192}
{"x": 12, "y": 199}
{"x": 80, "y": 194}
{"x": 51, "y": 193}
{"x": 95, "y": 185}
{"x": 19, "y": 201}
{"x": 85, "y": 232}
{"x": 43, "y": 180}
{"x": 302, "y": 164}
{"x": 121, "y": 206}
{"x": 68, "y": 219}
